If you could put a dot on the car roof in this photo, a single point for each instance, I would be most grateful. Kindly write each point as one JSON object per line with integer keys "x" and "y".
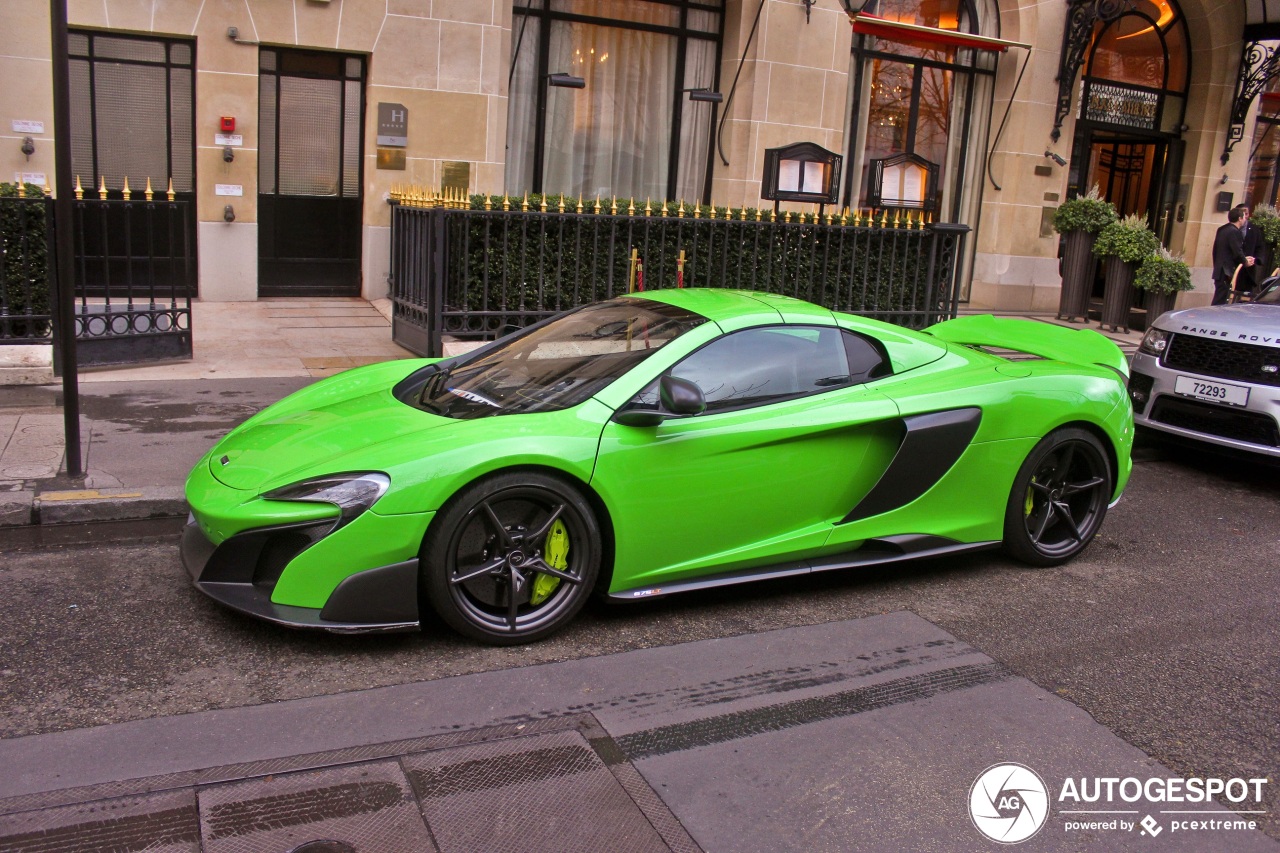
{"x": 724, "y": 306}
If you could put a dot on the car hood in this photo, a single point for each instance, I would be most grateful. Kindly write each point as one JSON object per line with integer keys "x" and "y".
{"x": 1246, "y": 322}
{"x": 349, "y": 412}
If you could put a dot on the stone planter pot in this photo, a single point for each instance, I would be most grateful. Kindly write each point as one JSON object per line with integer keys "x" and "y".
{"x": 1079, "y": 267}
{"x": 1158, "y": 302}
{"x": 1117, "y": 299}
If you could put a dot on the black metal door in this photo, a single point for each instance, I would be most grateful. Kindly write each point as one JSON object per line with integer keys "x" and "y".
{"x": 311, "y": 111}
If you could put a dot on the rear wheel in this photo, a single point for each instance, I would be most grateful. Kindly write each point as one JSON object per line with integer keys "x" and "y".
{"x": 1059, "y": 498}
{"x": 512, "y": 558}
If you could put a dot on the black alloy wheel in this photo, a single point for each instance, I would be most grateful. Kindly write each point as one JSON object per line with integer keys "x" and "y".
{"x": 1059, "y": 498}
{"x": 512, "y": 558}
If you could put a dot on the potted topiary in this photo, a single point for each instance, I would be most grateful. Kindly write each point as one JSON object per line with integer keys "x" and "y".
{"x": 1079, "y": 220}
{"x": 1162, "y": 277}
{"x": 1123, "y": 244}
{"x": 1267, "y": 218}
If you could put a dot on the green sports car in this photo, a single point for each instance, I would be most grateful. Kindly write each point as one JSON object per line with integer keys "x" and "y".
{"x": 652, "y": 444}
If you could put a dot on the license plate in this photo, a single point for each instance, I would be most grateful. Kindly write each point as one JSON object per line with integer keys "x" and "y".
{"x": 1212, "y": 392}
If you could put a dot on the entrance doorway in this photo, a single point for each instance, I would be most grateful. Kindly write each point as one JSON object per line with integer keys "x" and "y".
{"x": 310, "y": 111}
{"x": 1139, "y": 175}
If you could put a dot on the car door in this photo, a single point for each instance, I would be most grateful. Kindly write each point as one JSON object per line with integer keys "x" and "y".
{"x": 792, "y": 437}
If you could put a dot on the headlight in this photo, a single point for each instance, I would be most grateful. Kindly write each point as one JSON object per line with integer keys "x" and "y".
{"x": 1154, "y": 342}
{"x": 352, "y": 493}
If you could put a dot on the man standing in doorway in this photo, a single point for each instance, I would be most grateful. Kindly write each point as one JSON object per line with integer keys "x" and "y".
{"x": 1228, "y": 255}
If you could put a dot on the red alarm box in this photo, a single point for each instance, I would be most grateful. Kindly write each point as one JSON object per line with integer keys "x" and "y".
{"x": 228, "y": 124}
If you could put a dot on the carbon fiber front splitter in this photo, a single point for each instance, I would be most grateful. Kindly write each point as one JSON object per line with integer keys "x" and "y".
{"x": 378, "y": 600}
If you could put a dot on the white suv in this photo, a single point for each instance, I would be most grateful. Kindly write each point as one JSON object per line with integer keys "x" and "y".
{"x": 1213, "y": 374}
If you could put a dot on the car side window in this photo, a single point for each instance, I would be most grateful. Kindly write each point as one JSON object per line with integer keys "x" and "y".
{"x": 764, "y": 365}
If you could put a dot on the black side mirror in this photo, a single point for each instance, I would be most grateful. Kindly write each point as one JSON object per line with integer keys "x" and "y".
{"x": 680, "y": 398}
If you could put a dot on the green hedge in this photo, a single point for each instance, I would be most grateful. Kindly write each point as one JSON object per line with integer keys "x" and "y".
{"x": 24, "y": 244}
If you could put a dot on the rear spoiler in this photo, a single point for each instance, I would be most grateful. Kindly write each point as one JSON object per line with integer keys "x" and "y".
{"x": 1046, "y": 340}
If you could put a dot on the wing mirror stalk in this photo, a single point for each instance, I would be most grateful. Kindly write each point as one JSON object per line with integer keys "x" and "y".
{"x": 680, "y": 399}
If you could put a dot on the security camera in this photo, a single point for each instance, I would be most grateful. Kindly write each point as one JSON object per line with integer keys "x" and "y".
{"x": 1055, "y": 158}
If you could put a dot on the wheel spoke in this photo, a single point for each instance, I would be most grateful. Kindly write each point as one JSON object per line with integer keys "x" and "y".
{"x": 496, "y": 524}
{"x": 464, "y": 575}
{"x": 1064, "y": 513}
{"x": 513, "y": 605}
{"x": 535, "y": 538}
{"x": 1077, "y": 488}
{"x": 542, "y": 567}
{"x": 1044, "y": 523}
{"x": 1063, "y": 469}
{"x": 1040, "y": 487}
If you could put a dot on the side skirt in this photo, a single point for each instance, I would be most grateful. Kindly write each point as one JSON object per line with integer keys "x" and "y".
{"x": 873, "y": 552}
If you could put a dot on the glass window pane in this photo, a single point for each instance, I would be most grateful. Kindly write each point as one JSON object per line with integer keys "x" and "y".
{"x": 267, "y": 60}
{"x": 695, "y": 120}
{"x": 760, "y": 366}
{"x": 309, "y": 138}
{"x": 267, "y": 134}
{"x": 1130, "y": 50}
{"x": 614, "y": 136}
{"x": 77, "y": 44}
{"x": 137, "y": 148}
{"x": 141, "y": 50}
{"x": 180, "y": 53}
{"x": 522, "y": 106}
{"x": 351, "y": 141}
{"x": 81, "y": 123}
{"x": 181, "y": 117}
{"x": 353, "y": 66}
{"x": 640, "y": 11}
{"x": 707, "y": 22}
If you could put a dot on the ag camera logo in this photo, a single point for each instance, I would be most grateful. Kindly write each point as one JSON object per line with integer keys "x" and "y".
{"x": 1008, "y": 803}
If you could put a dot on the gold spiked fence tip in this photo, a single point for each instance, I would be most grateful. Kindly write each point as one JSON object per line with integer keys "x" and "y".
{"x": 169, "y": 191}
{"x": 102, "y": 187}
{"x": 460, "y": 198}
{"x": 125, "y": 193}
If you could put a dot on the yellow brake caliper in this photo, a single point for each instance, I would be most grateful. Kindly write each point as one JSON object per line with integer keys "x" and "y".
{"x": 556, "y": 554}
{"x": 1030, "y": 505}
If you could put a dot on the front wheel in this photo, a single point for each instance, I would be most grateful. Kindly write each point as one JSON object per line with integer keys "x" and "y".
{"x": 512, "y": 558}
{"x": 1059, "y": 498}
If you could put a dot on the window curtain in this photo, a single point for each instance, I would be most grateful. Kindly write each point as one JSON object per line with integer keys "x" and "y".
{"x": 522, "y": 106}
{"x": 695, "y": 119}
{"x": 613, "y": 137}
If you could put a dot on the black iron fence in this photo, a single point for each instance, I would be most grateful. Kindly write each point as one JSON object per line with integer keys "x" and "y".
{"x": 469, "y": 273}
{"x": 134, "y": 271}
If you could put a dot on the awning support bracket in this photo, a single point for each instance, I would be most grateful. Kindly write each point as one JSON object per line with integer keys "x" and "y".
{"x": 1259, "y": 65}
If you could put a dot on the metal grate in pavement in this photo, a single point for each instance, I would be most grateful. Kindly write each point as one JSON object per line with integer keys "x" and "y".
{"x": 548, "y": 792}
{"x": 156, "y": 823}
{"x": 558, "y": 784}
{"x": 367, "y": 806}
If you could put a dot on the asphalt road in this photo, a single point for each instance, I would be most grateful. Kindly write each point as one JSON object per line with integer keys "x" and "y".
{"x": 1164, "y": 631}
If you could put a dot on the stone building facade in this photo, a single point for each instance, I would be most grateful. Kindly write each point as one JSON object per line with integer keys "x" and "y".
{"x": 334, "y": 103}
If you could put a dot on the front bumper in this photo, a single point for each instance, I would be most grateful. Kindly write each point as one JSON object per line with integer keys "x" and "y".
{"x": 1252, "y": 428}
{"x": 238, "y": 574}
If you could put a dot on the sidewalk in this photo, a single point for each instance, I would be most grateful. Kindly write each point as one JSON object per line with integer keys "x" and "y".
{"x": 143, "y": 427}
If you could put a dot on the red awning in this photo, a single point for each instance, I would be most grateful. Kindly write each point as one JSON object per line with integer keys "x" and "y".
{"x": 898, "y": 31}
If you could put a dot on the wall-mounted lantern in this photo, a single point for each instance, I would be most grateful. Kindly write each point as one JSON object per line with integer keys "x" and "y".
{"x": 903, "y": 180}
{"x": 804, "y": 172}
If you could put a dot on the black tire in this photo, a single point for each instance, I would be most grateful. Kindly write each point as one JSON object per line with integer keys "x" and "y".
{"x": 1059, "y": 498}
{"x": 491, "y": 538}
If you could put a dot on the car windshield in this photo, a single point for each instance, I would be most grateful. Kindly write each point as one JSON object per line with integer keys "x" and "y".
{"x": 557, "y": 364}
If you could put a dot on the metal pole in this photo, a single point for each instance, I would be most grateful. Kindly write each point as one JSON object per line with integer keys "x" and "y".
{"x": 64, "y": 289}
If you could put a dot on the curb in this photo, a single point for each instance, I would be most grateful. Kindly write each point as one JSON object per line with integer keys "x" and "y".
{"x": 27, "y": 508}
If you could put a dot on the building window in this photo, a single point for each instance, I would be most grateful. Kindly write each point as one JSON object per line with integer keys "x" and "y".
{"x": 928, "y": 99}
{"x": 132, "y": 113}
{"x": 1264, "y": 153}
{"x": 631, "y": 131}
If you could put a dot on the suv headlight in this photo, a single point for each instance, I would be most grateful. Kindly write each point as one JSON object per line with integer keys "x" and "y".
{"x": 1154, "y": 342}
{"x": 351, "y": 493}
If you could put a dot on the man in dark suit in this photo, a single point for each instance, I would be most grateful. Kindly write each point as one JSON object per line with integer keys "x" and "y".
{"x": 1228, "y": 254}
{"x": 1254, "y": 247}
